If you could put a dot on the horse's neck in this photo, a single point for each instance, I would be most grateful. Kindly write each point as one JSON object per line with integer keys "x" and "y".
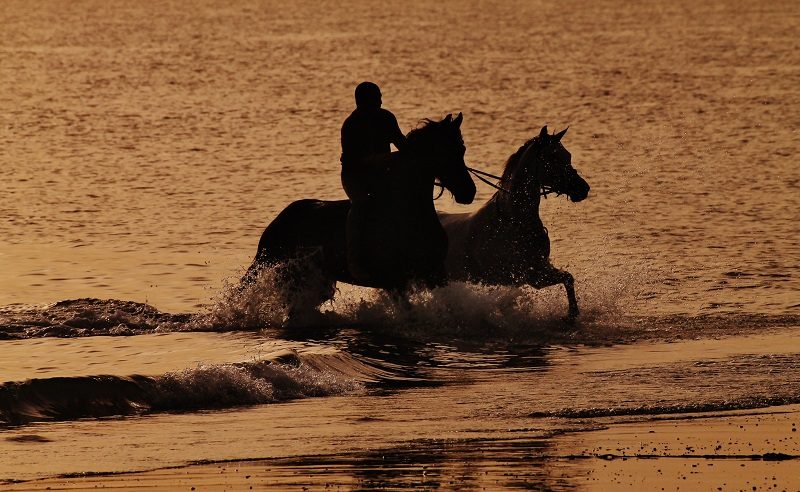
{"x": 520, "y": 205}
{"x": 412, "y": 184}
{"x": 519, "y": 217}
{"x": 527, "y": 197}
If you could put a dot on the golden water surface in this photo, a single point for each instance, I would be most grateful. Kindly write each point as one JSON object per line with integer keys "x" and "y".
{"x": 143, "y": 147}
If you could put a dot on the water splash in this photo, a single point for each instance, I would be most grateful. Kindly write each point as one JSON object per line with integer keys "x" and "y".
{"x": 462, "y": 310}
{"x": 257, "y": 304}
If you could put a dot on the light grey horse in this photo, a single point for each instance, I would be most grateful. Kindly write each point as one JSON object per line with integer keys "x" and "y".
{"x": 505, "y": 241}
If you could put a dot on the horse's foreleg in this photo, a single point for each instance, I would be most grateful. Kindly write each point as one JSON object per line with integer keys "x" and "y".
{"x": 306, "y": 286}
{"x": 553, "y": 276}
{"x": 569, "y": 285}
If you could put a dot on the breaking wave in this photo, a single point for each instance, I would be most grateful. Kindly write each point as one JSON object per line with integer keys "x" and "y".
{"x": 287, "y": 376}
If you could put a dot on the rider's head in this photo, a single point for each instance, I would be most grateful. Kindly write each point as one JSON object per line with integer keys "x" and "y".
{"x": 368, "y": 96}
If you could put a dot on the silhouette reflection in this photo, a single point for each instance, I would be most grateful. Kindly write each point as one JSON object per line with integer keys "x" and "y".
{"x": 466, "y": 464}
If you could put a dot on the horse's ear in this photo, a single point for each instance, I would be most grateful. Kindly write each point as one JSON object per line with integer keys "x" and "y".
{"x": 448, "y": 118}
{"x": 458, "y": 119}
{"x": 543, "y": 134}
{"x": 561, "y": 134}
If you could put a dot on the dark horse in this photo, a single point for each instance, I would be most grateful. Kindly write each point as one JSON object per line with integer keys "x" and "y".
{"x": 407, "y": 243}
{"x": 505, "y": 242}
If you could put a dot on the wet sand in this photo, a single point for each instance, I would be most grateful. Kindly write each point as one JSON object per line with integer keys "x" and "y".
{"x": 739, "y": 451}
{"x": 758, "y": 450}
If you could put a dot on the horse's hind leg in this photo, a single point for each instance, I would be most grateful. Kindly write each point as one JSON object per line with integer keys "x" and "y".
{"x": 400, "y": 298}
{"x": 306, "y": 286}
{"x": 304, "y": 300}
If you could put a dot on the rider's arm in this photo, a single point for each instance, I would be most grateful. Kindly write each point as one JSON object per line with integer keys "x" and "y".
{"x": 349, "y": 146}
{"x": 396, "y": 136}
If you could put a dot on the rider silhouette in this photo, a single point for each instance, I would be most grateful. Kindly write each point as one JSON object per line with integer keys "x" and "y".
{"x": 366, "y": 137}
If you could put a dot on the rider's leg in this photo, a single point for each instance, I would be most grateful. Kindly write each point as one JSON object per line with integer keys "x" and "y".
{"x": 357, "y": 240}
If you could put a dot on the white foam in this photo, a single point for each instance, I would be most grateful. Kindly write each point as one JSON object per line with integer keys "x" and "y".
{"x": 286, "y": 376}
{"x": 256, "y": 305}
{"x": 458, "y": 308}
{"x": 224, "y": 385}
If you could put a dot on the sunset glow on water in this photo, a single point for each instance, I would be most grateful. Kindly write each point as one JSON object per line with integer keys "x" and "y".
{"x": 144, "y": 149}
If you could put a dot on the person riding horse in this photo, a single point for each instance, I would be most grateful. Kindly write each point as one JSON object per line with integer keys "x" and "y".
{"x": 366, "y": 153}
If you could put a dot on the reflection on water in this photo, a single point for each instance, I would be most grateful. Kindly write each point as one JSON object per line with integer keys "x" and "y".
{"x": 427, "y": 465}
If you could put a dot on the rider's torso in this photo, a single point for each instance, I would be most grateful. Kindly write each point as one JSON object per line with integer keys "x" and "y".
{"x": 366, "y": 133}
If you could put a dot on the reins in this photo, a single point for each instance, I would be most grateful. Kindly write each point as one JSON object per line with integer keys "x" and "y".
{"x": 544, "y": 191}
{"x": 480, "y": 175}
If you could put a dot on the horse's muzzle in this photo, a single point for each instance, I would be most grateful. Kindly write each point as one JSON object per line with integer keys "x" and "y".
{"x": 580, "y": 194}
{"x": 465, "y": 197}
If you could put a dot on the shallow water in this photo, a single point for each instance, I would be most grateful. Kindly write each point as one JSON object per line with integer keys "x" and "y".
{"x": 144, "y": 151}
{"x": 391, "y": 394}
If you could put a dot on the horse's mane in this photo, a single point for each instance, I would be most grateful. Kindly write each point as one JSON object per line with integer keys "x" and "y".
{"x": 511, "y": 164}
{"x": 425, "y": 126}
{"x": 425, "y": 129}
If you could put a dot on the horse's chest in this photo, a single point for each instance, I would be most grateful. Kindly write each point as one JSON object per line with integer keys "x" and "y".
{"x": 506, "y": 253}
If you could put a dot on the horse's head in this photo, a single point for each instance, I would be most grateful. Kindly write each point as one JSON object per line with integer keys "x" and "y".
{"x": 544, "y": 162}
{"x": 439, "y": 145}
